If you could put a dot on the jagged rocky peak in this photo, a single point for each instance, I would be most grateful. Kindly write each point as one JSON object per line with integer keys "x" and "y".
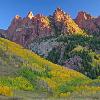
{"x": 30, "y": 15}
{"x": 59, "y": 14}
{"x": 59, "y": 10}
{"x": 39, "y": 18}
{"x": 17, "y": 17}
{"x": 41, "y": 25}
{"x": 83, "y": 16}
{"x": 24, "y": 30}
{"x": 87, "y": 22}
{"x": 27, "y": 21}
{"x": 16, "y": 22}
{"x": 64, "y": 23}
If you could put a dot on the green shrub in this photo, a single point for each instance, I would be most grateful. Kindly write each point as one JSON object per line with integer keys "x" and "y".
{"x": 16, "y": 83}
{"x": 54, "y": 55}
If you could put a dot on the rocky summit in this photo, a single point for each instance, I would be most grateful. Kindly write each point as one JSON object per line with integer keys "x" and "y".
{"x": 64, "y": 23}
{"x": 24, "y": 30}
{"x": 88, "y": 23}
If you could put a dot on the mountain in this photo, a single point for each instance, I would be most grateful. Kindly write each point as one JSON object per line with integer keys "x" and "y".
{"x": 41, "y": 33}
{"x": 89, "y": 23}
{"x": 24, "y": 30}
{"x": 75, "y": 52}
{"x": 64, "y": 23}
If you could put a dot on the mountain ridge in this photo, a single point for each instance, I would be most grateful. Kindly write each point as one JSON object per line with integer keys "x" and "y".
{"x": 24, "y": 30}
{"x": 70, "y": 68}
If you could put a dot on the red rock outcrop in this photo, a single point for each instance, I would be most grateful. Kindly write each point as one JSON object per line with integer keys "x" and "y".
{"x": 83, "y": 16}
{"x": 31, "y": 27}
{"x": 64, "y": 22}
{"x": 24, "y": 30}
{"x": 88, "y": 23}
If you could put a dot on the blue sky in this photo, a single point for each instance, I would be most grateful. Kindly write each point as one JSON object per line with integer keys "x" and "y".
{"x": 10, "y": 8}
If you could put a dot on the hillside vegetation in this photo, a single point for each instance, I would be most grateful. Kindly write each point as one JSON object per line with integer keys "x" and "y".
{"x": 78, "y": 52}
{"x": 23, "y": 70}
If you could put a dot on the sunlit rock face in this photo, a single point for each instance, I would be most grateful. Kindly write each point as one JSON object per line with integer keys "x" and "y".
{"x": 24, "y": 30}
{"x": 41, "y": 25}
{"x": 64, "y": 23}
{"x": 82, "y": 16}
{"x": 88, "y": 23}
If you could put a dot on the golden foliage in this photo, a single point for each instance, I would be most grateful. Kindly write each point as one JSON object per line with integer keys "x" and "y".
{"x": 65, "y": 94}
{"x": 6, "y": 91}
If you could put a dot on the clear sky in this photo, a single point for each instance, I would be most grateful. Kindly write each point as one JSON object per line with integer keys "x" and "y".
{"x": 10, "y": 8}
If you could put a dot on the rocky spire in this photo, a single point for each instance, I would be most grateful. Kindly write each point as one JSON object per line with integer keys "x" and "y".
{"x": 23, "y": 30}
{"x": 17, "y": 17}
{"x": 87, "y": 22}
{"x": 64, "y": 22}
{"x": 30, "y": 15}
{"x": 83, "y": 16}
{"x": 58, "y": 9}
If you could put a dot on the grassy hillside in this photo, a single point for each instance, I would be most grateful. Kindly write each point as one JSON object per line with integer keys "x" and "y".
{"x": 22, "y": 70}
